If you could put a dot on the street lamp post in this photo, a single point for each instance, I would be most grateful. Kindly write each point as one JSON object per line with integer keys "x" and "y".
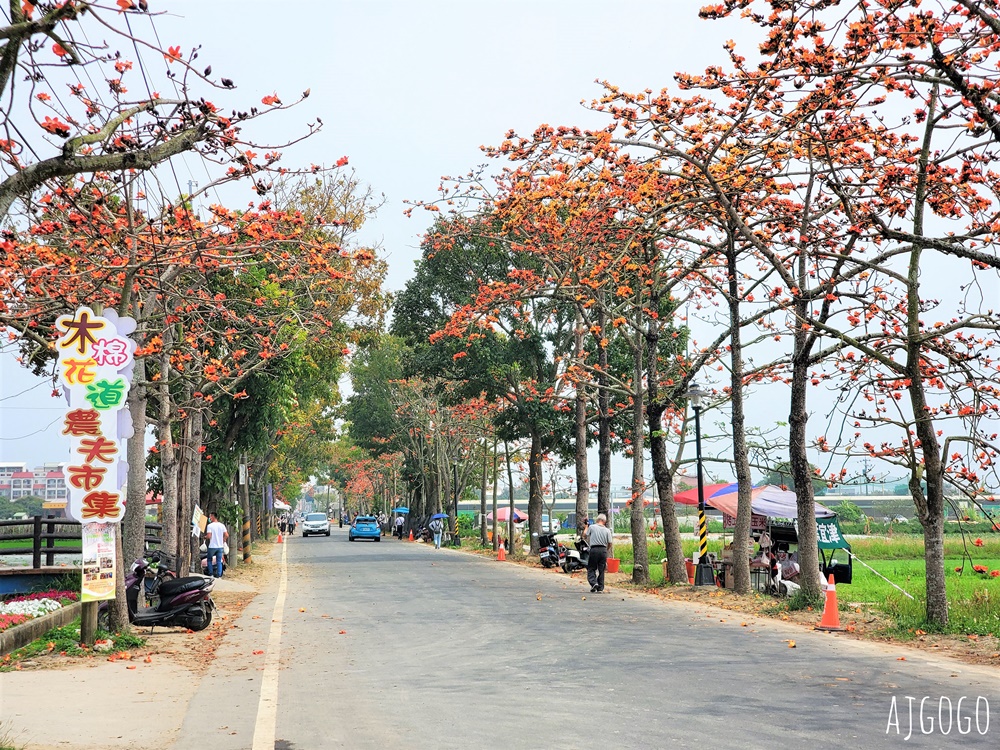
{"x": 454, "y": 473}
{"x": 703, "y": 573}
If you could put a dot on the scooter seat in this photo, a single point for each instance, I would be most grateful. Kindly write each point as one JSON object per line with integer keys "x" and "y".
{"x": 177, "y": 586}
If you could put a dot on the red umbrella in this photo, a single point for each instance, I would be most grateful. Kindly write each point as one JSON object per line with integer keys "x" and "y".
{"x": 502, "y": 515}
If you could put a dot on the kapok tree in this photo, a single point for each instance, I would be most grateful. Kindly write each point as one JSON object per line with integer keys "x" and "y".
{"x": 72, "y": 107}
{"x": 923, "y": 186}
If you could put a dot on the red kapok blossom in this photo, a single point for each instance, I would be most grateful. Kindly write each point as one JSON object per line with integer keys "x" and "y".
{"x": 978, "y": 542}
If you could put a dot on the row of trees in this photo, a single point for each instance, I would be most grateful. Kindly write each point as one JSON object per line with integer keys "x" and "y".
{"x": 245, "y": 317}
{"x": 794, "y": 213}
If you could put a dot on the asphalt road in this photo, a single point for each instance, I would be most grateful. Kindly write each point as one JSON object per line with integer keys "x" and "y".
{"x": 448, "y": 650}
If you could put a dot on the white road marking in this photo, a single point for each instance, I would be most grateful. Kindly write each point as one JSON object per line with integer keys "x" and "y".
{"x": 265, "y": 728}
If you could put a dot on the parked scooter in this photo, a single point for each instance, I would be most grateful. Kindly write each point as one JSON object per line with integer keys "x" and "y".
{"x": 204, "y": 561}
{"x": 575, "y": 559}
{"x": 165, "y": 601}
{"x": 549, "y": 550}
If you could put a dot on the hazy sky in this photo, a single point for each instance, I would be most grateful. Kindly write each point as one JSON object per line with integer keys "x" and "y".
{"x": 409, "y": 91}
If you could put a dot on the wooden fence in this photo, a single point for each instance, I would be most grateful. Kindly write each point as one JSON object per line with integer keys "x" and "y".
{"x": 40, "y": 535}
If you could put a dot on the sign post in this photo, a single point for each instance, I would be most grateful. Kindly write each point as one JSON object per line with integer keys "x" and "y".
{"x": 95, "y": 367}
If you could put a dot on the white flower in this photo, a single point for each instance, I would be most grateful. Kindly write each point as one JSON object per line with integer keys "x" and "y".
{"x": 31, "y": 608}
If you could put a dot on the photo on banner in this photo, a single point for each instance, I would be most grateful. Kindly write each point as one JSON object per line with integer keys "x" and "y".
{"x": 98, "y": 563}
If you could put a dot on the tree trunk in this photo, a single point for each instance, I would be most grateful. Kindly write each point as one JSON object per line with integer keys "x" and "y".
{"x": 603, "y": 426}
{"x": 185, "y": 507}
{"x": 535, "y": 489}
{"x": 809, "y": 577}
{"x": 495, "y": 490}
{"x": 134, "y": 521}
{"x": 247, "y": 530}
{"x": 168, "y": 453}
{"x": 582, "y": 473}
{"x": 637, "y": 518}
{"x": 482, "y": 497}
{"x": 510, "y": 493}
{"x": 930, "y": 506}
{"x": 742, "y": 545}
{"x": 664, "y": 476}
{"x": 196, "y": 437}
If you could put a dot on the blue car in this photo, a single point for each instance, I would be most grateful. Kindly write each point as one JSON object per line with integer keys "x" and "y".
{"x": 365, "y": 527}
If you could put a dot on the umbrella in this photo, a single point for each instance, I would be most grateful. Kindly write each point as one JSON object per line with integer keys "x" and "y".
{"x": 502, "y": 515}
{"x": 439, "y": 515}
{"x": 400, "y": 510}
{"x": 690, "y": 497}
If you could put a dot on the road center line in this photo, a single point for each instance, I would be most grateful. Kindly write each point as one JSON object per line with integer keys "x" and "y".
{"x": 265, "y": 728}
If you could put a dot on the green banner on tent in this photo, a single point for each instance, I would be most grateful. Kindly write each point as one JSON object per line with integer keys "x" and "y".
{"x": 829, "y": 535}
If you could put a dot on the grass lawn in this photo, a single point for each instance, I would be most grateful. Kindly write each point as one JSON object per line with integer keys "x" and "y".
{"x": 973, "y": 598}
{"x": 18, "y": 543}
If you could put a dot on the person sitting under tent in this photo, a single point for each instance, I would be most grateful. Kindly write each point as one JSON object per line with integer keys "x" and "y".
{"x": 789, "y": 568}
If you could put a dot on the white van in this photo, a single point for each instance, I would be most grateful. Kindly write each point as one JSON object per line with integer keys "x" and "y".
{"x": 316, "y": 523}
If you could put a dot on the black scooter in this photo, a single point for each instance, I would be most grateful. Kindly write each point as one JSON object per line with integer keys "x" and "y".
{"x": 166, "y": 601}
{"x": 549, "y": 550}
{"x": 575, "y": 559}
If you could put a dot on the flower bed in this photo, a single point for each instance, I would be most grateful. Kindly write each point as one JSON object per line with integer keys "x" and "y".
{"x": 23, "y": 607}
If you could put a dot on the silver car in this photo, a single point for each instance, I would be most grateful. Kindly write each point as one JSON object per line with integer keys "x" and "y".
{"x": 316, "y": 523}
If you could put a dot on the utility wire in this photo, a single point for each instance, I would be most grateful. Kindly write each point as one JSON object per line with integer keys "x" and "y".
{"x": 22, "y": 437}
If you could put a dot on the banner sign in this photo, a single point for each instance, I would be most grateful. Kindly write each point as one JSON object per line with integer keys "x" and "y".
{"x": 828, "y": 534}
{"x": 95, "y": 365}
{"x": 757, "y": 522}
{"x": 98, "y": 562}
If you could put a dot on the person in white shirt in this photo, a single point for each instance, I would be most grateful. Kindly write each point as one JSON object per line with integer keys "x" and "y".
{"x": 216, "y": 538}
{"x": 600, "y": 539}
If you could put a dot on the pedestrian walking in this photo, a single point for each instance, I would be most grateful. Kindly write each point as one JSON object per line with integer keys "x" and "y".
{"x": 399, "y": 526}
{"x": 599, "y": 538}
{"x": 436, "y": 527}
{"x": 291, "y": 525}
{"x": 216, "y": 538}
{"x": 283, "y": 523}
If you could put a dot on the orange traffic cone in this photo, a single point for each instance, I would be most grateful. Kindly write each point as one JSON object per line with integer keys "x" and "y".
{"x": 501, "y": 553}
{"x": 279, "y": 537}
{"x": 831, "y": 614}
{"x": 411, "y": 535}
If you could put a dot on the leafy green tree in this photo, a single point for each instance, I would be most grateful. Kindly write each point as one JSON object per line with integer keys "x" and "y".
{"x": 28, "y": 505}
{"x": 848, "y": 511}
{"x": 371, "y": 410}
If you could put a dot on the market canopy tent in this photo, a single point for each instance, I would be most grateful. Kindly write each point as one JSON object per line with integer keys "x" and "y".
{"x": 767, "y": 500}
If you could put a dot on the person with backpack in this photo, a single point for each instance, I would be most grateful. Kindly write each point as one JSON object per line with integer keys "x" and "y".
{"x": 437, "y": 527}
